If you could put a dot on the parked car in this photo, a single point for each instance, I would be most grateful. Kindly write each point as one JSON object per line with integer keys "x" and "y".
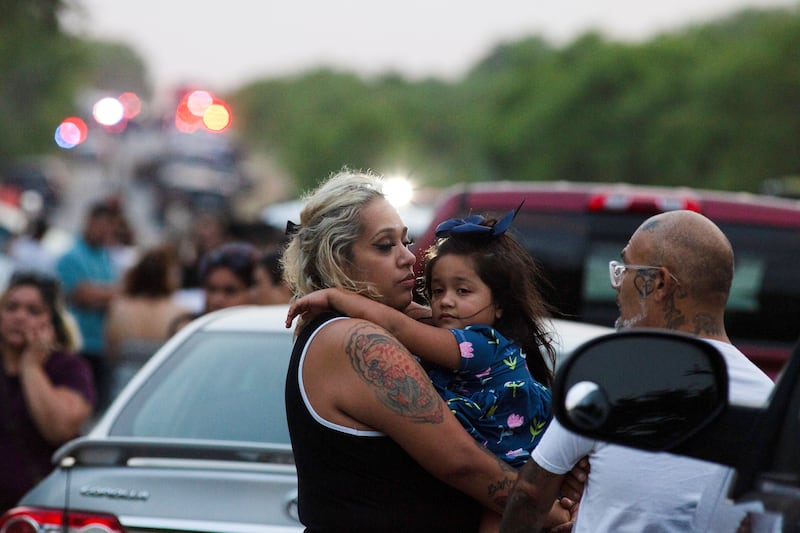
{"x": 40, "y": 177}
{"x": 574, "y": 229}
{"x": 197, "y": 441}
{"x": 679, "y": 403}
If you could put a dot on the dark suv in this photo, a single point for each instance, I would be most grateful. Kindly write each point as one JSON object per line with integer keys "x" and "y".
{"x": 574, "y": 229}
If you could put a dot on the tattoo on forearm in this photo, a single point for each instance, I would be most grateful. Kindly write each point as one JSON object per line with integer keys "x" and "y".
{"x": 529, "y": 503}
{"x": 386, "y": 365}
{"x": 502, "y": 487}
{"x": 499, "y": 490}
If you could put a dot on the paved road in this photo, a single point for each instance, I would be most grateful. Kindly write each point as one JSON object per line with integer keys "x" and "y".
{"x": 93, "y": 179}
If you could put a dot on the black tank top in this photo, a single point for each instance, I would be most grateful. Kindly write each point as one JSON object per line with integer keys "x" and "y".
{"x": 363, "y": 483}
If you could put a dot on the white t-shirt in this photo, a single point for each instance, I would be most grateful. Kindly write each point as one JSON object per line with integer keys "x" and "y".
{"x": 638, "y": 491}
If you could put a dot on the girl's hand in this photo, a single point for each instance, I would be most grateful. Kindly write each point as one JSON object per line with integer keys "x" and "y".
{"x": 309, "y": 306}
{"x": 574, "y": 480}
{"x": 560, "y": 517}
{"x": 572, "y": 507}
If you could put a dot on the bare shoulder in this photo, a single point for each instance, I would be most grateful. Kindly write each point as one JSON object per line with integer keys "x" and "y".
{"x": 355, "y": 337}
{"x": 394, "y": 381}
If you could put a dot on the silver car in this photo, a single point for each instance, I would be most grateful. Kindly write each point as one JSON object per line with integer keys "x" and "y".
{"x": 197, "y": 441}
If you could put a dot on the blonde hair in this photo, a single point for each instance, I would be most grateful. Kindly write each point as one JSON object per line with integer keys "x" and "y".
{"x": 320, "y": 250}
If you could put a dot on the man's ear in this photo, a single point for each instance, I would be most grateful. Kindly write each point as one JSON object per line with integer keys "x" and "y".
{"x": 665, "y": 285}
{"x": 498, "y": 312}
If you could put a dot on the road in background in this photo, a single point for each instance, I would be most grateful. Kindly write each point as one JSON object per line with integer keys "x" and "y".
{"x": 113, "y": 173}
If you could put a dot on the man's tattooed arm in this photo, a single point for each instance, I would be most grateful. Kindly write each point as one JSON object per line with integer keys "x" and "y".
{"x": 530, "y": 500}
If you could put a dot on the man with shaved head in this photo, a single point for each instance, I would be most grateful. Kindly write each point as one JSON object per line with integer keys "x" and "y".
{"x": 675, "y": 274}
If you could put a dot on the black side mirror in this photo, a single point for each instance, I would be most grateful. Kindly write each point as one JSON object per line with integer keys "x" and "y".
{"x": 649, "y": 389}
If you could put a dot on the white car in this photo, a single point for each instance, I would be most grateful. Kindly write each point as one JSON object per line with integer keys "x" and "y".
{"x": 197, "y": 441}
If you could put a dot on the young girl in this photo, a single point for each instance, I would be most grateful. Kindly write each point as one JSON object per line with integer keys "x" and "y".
{"x": 487, "y": 350}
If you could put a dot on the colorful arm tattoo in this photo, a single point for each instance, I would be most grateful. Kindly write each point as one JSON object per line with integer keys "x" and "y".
{"x": 399, "y": 382}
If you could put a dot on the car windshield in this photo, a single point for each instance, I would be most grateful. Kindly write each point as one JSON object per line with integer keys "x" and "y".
{"x": 219, "y": 386}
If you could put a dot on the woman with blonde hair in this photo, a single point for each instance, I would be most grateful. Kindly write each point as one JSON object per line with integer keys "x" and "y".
{"x": 375, "y": 446}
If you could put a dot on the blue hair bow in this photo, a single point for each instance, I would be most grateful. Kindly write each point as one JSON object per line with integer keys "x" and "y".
{"x": 472, "y": 225}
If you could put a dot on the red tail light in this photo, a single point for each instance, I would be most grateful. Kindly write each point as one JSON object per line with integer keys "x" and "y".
{"x": 640, "y": 203}
{"x": 35, "y": 520}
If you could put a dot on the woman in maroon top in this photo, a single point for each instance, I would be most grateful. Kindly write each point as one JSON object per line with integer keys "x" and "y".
{"x": 46, "y": 391}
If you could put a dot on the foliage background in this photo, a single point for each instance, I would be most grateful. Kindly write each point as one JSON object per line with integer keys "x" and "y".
{"x": 43, "y": 70}
{"x": 713, "y": 106}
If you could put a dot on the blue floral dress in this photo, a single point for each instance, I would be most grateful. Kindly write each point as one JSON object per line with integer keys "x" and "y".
{"x": 494, "y": 395}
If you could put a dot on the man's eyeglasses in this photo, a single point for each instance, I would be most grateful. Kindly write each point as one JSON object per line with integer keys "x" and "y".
{"x": 616, "y": 270}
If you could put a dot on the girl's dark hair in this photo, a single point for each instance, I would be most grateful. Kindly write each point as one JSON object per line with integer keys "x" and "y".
{"x": 50, "y": 289}
{"x": 151, "y": 275}
{"x": 514, "y": 279}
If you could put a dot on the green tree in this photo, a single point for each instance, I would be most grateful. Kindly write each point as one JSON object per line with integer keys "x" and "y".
{"x": 39, "y": 69}
{"x": 318, "y": 123}
{"x": 713, "y": 106}
{"x": 117, "y": 68}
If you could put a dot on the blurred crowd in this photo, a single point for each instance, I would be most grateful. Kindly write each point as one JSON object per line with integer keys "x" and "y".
{"x": 76, "y": 325}
{"x": 125, "y": 300}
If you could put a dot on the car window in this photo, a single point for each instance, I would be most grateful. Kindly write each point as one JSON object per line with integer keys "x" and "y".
{"x": 217, "y": 385}
{"x": 765, "y": 296}
{"x": 573, "y": 250}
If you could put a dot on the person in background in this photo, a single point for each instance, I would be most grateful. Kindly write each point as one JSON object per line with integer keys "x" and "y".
{"x": 139, "y": 317}
{"x": 270, "y": 287}
{"x": 376, "y": 447}
{"x": 28, "y": 250}
{"x": 46, "y": 390}
{"x": 207, "y": 232}
{"x": 227, "y": 275}
{"x": 675, "y": 274}
{"x": 122, "y": 244}
{"x": 487, "y": 350}
{"x": 89, "y": 278}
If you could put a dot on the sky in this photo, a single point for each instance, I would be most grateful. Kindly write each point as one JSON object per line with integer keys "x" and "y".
{"x": 224, "y": 45}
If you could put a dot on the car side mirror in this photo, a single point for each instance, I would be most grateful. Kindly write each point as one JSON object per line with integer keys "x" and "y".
{"x": 649, "y": 389}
